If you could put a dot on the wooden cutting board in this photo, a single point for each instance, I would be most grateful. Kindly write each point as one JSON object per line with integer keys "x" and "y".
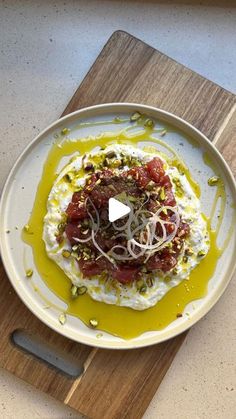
{"x": 119, "y": 384}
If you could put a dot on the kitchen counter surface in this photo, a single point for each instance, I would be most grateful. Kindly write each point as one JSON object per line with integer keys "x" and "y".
{"x": 46, "y": 49}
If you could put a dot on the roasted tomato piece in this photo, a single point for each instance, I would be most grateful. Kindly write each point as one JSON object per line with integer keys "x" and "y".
{"x": 100, "y": 196}
{"x": 73, "y": 230}
{"x": 164, "y": 262}
{"x": 169, "y": 228}
{"x": 105, "y": 243}
{"x": 168, "y": 263}
{"x": 169, "y": 198}
{"x": 94, "y": 177}
{"x": 106, "y": 173}
{"x": 78, "y": 197}
{"x": 90, "y": 268}
{"x": 156, "y": 170}
{"x": 165, "y": 181}
{"x": 91, "y": 183}
{"x": 141, "y": 175}
{"x": 111, "y": 187}
{"x": 183, "y": 230}
{"x": 125, "y": 274}
{"x": 76, "y": 211}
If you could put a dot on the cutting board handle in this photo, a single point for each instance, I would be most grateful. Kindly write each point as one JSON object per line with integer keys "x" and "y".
{"x": 52, "y": 355}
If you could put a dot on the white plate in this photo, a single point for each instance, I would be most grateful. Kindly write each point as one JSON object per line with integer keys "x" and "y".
{"x": 16, "y": 204}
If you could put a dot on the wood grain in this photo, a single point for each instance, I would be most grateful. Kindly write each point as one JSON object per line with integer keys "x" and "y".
{"x": 135, "y": 72}
{"x": 225, "y": 139}
{"x": 120, "y": 384}
{"x": 128, "y": 380}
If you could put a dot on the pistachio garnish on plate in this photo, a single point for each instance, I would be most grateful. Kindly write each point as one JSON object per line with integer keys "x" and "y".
{"x": 135, "y": 116}
{"x": 62, "y": 318}
{"x": 201, "y": 253}
{"x": 214, "y": 180}
{"x": 29, "y": 273}
{"x": 66, "y": 253}
{"x": 93, "y": 323}
{"x": 65, "y": 131}
{"x": 149, "y": 123}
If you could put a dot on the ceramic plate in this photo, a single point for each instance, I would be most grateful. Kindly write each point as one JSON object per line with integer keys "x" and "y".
{"x": 16, "y": 205}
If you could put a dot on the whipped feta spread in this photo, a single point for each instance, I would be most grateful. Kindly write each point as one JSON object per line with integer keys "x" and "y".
{"x": 113, "y": 292}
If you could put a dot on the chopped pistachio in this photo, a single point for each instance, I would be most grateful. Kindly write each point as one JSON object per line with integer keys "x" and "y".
{"x": 111, "y": 155}
{"x": 179, "y": 189}
{"x": 135, "y": 117}
{"x": 179, "y": 315}
{"x": 149, "y": 123}
{"x": 175, "y": 271}
{"x": 62, "y": 318}
{"x": 162, "y": 194}
{"x": 67, "y": 178}
{"x": 66, "y": 253}
{"x": 163, "y": 132}
{"x": 189, "y": 252}
{"x": 212, "y": 181}
{"x": 65, "y": 131}
{"x": 201, "y": 253}
{"x": 26, "y": 228}
{"x": 180, "y": 168}
{"x": 132, "y": 198}
{"x": 143, "y": 289}
{"x": 106, "y": 162}
{"x": 149, "y": 282}
{"x": 61, "y": 227}
{"x": 150, "y": 185}
{"x": 29, "y": 273}
{"x": 74, "y": 291}
{"x": 117, "y": 120}
{"x": 185, "y": 259}
{"x": 82, "y": 290}
{"x": 93, "y": 322}
{"x": 75, "y": 247}
{"x": 177, "y": 182}
{"x": 116, "y": 163}
{"x": 139, "y": 283}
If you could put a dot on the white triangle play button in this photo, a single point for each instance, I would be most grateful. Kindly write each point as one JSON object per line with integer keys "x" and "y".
{"x": 116, "y": 209}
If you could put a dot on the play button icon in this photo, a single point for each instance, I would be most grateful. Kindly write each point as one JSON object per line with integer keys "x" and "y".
{"x": 116, "y": 209}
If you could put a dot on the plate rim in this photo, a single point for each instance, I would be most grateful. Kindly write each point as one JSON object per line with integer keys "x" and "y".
{"x": 90, "y": 340}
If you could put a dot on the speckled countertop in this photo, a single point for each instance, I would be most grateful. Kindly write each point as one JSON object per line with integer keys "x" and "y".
{"x": 46, "y": 48}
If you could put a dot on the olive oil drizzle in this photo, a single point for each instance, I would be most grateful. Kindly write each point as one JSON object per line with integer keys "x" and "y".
{"x": 220, "y": 195}
{"x": 120, "y": 321}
